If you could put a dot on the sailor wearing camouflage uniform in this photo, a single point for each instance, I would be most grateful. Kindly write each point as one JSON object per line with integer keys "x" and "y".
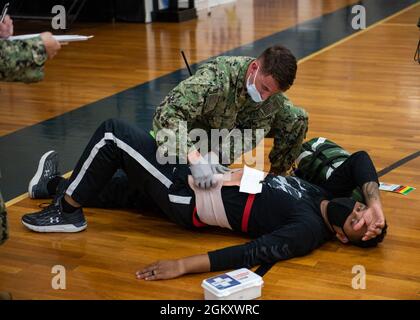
{"x": 237, "y": 93}
{"x": 19, "y": 61}
{"x": 22, "y": 60}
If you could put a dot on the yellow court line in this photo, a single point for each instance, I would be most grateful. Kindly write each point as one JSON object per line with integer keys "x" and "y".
{"x": 68, "y": 174}
{"x": 335, "y": 44}
{"x": 25, "y": 195}
{"x": 394, "y": 24}
{"x": 17, "y": 199}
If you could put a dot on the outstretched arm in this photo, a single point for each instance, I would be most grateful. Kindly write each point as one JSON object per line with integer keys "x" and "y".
{"x": 285, "y": 243}
{"x": 169, "y": 269}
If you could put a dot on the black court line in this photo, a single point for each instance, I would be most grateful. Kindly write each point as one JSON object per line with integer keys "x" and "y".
{"x": 264, "y": 268}
{"x": 399, "y": 163}
{"x": 69, "y": 133}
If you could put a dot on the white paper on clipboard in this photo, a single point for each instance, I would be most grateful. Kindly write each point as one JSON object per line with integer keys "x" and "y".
{"x": 59, "y": 38}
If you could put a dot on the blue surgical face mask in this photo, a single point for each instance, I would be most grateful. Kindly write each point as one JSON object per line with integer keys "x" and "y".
{"x": 252, "y": 89}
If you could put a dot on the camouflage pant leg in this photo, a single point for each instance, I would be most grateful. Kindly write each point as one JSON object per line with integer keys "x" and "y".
{"x": 3, "y": 221}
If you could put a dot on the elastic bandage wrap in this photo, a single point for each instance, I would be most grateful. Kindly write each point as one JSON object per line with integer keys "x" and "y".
{"x": 209, "y": 203}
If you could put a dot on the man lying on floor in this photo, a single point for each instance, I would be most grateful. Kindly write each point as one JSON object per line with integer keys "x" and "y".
{"x": 289, "y": 218}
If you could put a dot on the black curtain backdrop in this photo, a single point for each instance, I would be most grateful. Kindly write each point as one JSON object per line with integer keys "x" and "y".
{"x": 93, "y": 10}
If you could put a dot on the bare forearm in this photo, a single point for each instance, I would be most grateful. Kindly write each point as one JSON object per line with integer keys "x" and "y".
{"x": 373, "y": 216}
{"x": 371, "y": 194}
{"x": 169, "y": 269}
{"x": 195, "y": 264}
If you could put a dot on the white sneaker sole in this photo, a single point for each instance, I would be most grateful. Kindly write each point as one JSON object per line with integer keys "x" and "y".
{"x": 35, "y": 180}
{"x": 60, "y": 228}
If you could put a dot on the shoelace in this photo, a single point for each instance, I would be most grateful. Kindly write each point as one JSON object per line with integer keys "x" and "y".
{"x": 44, "y": 205}
{"x": 46, "y": 208}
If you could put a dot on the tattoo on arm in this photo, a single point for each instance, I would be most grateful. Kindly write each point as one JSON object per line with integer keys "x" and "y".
{"x": 371, "y": 191}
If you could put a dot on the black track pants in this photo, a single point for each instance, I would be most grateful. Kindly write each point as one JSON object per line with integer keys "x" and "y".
{"x": 119, "y": 166}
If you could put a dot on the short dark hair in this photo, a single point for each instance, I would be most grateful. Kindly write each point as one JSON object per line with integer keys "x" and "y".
{"x": 280, "y": 63}
{"x": 371, "y": 242}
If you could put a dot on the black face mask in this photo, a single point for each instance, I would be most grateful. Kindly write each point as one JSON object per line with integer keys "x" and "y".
{"x": 338, "y": 211}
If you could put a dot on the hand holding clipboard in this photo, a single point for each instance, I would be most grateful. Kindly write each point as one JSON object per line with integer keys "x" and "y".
{"x": 6, "y": 24}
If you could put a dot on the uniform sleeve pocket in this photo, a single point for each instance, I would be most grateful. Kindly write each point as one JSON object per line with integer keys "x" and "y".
{"x": 210, "y": 102}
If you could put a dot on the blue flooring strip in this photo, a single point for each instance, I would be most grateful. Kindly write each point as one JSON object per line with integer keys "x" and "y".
{"x": 69, "y": 133}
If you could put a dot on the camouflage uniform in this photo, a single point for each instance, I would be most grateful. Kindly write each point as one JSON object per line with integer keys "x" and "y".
{"x": 215, "y": 97}
{"x": 20, "y": 60}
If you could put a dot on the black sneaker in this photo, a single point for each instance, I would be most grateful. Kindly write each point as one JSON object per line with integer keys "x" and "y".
{"x": 47, "y": 169}
{"x": 53, "y": 219}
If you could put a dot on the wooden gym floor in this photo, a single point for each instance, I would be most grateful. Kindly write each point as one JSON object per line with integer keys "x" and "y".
{"x": 362, "y": 92}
